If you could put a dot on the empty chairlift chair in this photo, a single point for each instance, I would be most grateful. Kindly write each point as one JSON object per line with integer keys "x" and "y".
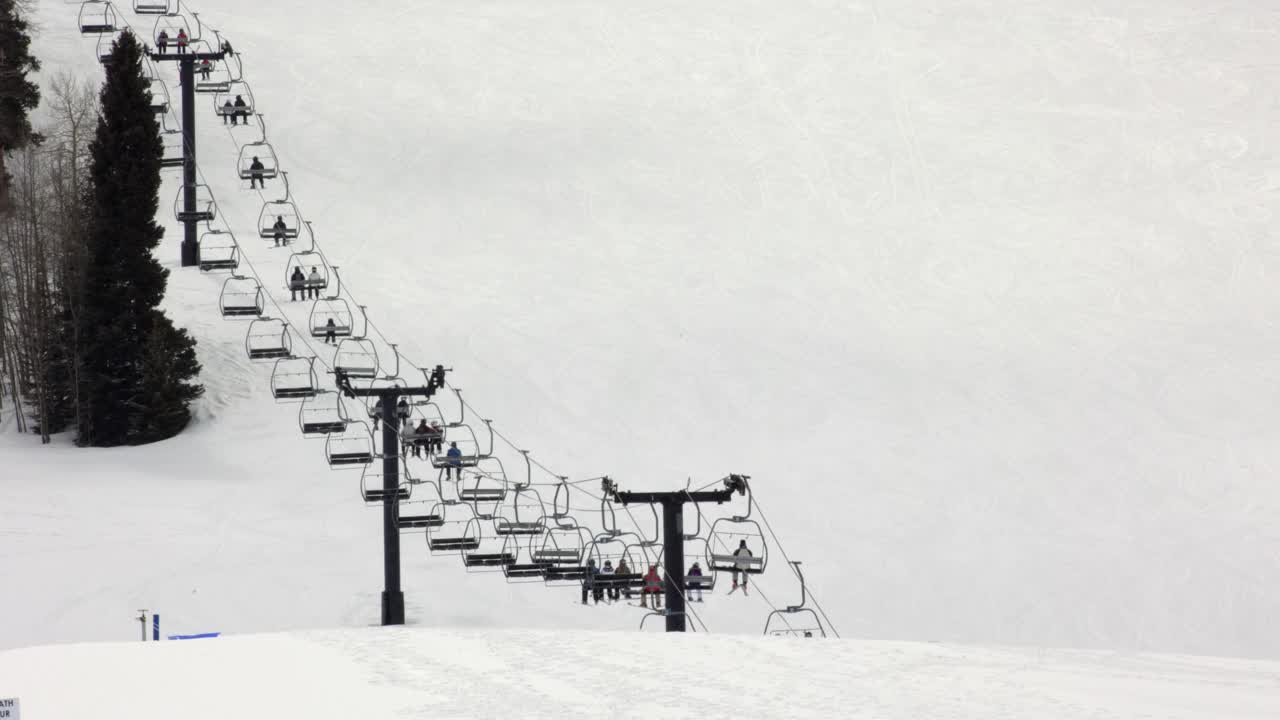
{"x": 294, "y": 378}
{"x": 159, "y": 97}
{"x": 241, "y": 297}
{"x": 151, "y": 7}
{"x": 524, "y": 568}
{"x": 98, "y": 16}
{"x": 490, "y": 552}
{"x": 204, "y": 211}
{"x": 357, "y": 358}
{"x": 456, "y": 533}
{"x": 171, "y": 139}
{"x": 353, "y": 446}
{"x": 563, "y": 547}
{"x": 218, "y": 251}
{"x": 372, "y": 487}
{"x": 521, "y": 514}
{"x": 268, "y": 339}
{"x": 795, "y": 620}
{"x": 106, "y": 44}
{"x": 322, "y": 414}
{"x": 416, "y": 513}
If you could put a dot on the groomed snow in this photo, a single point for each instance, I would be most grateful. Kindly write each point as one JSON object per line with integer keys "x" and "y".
{"x": 421, "y": 673}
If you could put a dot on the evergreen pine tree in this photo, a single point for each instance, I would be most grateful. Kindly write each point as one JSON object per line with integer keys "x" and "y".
{"x": 18, "y": 95}
{"x": 122, "y": 330}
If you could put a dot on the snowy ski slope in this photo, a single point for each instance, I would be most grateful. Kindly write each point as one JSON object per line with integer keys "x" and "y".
{"x": 419, "y": 672}
{"x": 977, "y": 293}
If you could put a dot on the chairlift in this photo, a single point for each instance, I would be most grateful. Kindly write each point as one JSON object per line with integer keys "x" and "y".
{"x": 487, "y": 484}
{"x": 241, "y": 297}
{"x": 613, "y": 550}
{"x": 221, "y": 75}
{"x": 724, "y": 539}
{"x": 159, "y": 97}
{"x": 322, "y": 414}
{"x": 218, "y": 251}
{"x": 562, "y": 548}
{"x": 175, "y": 20}
{"x": 696, "y": 548}
{"x": 173, "y": 143}
{"x": 205, "y": 209}
{"x": 522, "y": 514}
{"x": 357, "y": 358}
{"x": 335, "y": 309}
{"x": 151, "y": 7}
{"x": 491, "y": 552}
{"x": 284, "y": 212}
{"x": 523, "y": 568}
{"x": 642, "y": 555}
{"x": 462, "y": 436}
{"x": 373, "y": 489}
{"x": 306, "y": 262}
{"x": 97, "y": 16}
{"x": 236, "y": 100}
{"x": 455, "y": 533}
{"x": 773, "y": 624}
{"x": 408, "y": 517}
{"x": 351, "y": 446}
{"x": 268, "y": 339}
{"x": 294, "y": 378}
{"x": 261, "y": 154}
{"x": 106, "y": 44}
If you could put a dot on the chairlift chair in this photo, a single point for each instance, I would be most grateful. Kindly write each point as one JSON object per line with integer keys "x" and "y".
{"x": 268, "y": 339}
{"x": 97, "y": 16}
{"x": 522, "y": 515}
{"x": 151, "y": 7}
{"x": 723, "y": 541}
{"x": 224, "y": 100}
{"x": 356, "y": 357}
{"x": 563, "y": 548}
{"x": 283, "y": 211}
{"x": 523, "y": 568}
{"x": 351, "y": 446}
{"x": 106, "y": 44}
{"x": 241, "y": 297}
{"x": 294, "y": 378}
{"x": 322, "y": 414}
{"x": 455, "y": 533}
{"x": 468, "y": 444}
{"x": 695, "y": 548}
{"x": 222, "y": 75}
{"x": 773, "y": 624}
{"x": 416, "y": 514}
{"x": 205, "y": 210}
{"x": 306, "y": 262}
{"x": 159, "y": 97}
{"x": 218, "y": 251}
{"x": 487, "y": 484}
{"x": 335, "y": 309}
{"x": 613, "y": 549}
{"x": 491, "y": 552}
{"x": 372, "y": 487}
{"x": 173, "y": 143}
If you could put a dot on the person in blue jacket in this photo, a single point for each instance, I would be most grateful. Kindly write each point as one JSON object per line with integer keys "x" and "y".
{"x": 454, "y": 465}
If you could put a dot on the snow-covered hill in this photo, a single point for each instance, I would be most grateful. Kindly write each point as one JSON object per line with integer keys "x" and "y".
{"x": 978, "y": 293}
{"x": 396, "y": 673}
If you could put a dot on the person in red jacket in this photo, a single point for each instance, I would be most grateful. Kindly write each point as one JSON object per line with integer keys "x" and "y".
{"x": 182, "y": 41}
{"x": 652, "y": 586}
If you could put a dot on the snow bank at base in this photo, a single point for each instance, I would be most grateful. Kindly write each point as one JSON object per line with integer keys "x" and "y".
{"x": 402, "y": 672}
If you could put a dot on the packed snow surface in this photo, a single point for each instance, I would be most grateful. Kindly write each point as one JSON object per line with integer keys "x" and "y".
{"x": 980, "y": 294}
{"x": 432, "y": 673}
